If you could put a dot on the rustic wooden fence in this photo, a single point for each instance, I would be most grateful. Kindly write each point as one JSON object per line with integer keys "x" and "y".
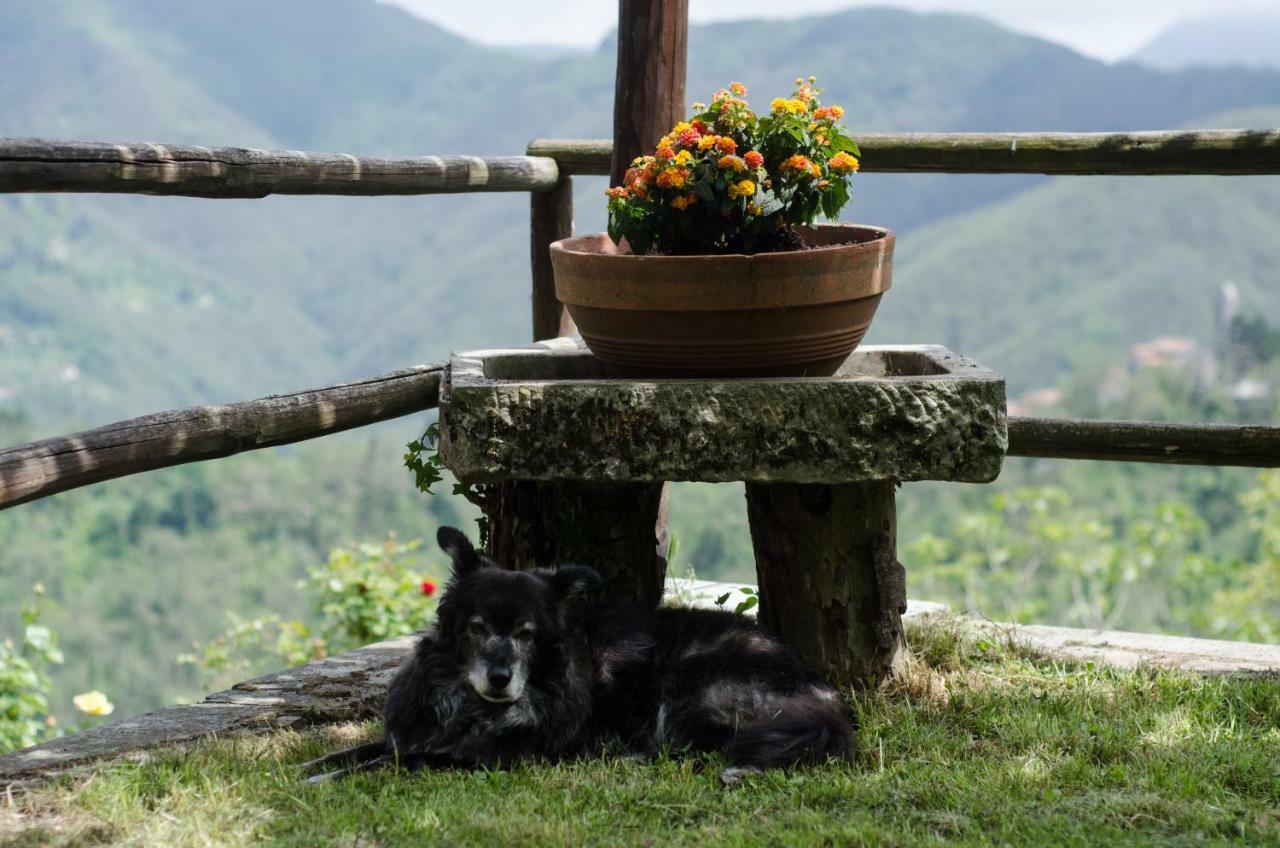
{"x": 43, "y": 468}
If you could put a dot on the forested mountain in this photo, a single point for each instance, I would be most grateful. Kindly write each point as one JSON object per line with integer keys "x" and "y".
{"x": 115, "y": 306}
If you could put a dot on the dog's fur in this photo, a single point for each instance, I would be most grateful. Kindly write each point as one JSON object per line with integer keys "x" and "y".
{"x": 513, "y": 672}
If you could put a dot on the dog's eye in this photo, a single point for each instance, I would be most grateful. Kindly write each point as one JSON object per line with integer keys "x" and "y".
{"x": 524, "y": 634}
{"x": 477, "y": 627}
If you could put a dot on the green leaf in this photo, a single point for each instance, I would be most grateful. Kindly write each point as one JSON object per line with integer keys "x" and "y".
{"x": 746, "y": 605}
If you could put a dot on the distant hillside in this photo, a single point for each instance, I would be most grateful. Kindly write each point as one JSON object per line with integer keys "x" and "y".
{"x": 116, "y": 306}
{"x": 1249, "y": 39}
{"x": 1070, "y": 273}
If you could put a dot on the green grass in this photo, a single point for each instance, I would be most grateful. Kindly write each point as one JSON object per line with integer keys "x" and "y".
{"x": 1013, "y": 750}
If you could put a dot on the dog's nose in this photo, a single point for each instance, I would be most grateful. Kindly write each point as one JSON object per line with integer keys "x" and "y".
{"x": 499, "y": 677}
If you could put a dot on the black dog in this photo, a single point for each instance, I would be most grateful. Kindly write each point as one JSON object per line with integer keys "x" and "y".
{"x": 511, "y": 672}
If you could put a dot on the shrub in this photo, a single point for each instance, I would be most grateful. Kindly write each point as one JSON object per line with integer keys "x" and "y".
{"x": 364, "y": 593}
{"x": 25, "y": 718}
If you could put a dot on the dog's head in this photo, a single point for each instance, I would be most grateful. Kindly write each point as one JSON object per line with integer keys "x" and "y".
{"x": 503, "y": 626}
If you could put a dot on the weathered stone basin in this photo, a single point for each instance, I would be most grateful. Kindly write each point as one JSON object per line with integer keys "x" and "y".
{"x": 550, "y": 412}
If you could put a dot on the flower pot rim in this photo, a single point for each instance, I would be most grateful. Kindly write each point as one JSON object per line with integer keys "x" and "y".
{"x": 582, "y": 246}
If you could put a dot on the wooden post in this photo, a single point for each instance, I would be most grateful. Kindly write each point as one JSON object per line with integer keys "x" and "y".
{"x": 830, "y": 583}
{"x": 608, "y": 526}
{"x": 550, "y": 219}
{"x": 648, "y": 95}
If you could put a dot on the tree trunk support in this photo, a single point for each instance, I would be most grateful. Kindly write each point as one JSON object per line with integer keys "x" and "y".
{"x": 612, "y": 527}
{"x": 831, "y": 585}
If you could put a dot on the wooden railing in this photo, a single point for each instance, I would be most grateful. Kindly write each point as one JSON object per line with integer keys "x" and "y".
{"x": 35, "y": 470}
{"x": 1225, "y": 152}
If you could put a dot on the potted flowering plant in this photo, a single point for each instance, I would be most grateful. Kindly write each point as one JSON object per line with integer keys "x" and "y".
{"x": 713, "y": 265}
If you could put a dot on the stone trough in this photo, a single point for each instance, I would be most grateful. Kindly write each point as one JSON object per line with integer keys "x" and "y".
{"x": 551, "y": 412}
{"x": 571, "y": 463}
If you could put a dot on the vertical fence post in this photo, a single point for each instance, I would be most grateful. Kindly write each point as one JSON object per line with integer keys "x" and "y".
{"x": 648, "y": 97}
{"x": 550, "y": 219}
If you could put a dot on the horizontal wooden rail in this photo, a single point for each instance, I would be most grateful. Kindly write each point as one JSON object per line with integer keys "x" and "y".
{"x": 1146, "y": 441}
{"x": 179, "y": 436}
{"x": 1225, "y": 152}
{"x": 33, "y": 164}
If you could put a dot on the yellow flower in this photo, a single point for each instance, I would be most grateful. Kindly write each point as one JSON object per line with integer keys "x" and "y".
{"x": 742, "y": 188}
{"x": 707, "y": 142}
{"x": 781, "y": 106}
{"x": 93, "y": 703}
{"x": 755, "y": 209}
{"x": 683, "y": 158}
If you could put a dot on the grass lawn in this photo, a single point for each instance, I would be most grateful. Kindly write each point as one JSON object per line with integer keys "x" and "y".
{"x": 983, "y": 745}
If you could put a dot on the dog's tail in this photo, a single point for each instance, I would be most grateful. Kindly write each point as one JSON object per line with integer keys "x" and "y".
{"x": 807, "y": 728}
{"x": 360, "y": 758}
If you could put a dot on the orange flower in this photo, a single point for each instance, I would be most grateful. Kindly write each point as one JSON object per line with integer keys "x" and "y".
{"x": 738, "y": 88}
{"x": 688, "y": 138}
{"x": 843, "y": 163}
{"x": 665, "y": 152}
{"x": 616, "y": 192}
{"x": 829, "y": 113}
{"x": 673, "y": 178}
{"x": 726, "y": 144}
{"x": 731, "y": 161}
{"x": 684, "y": 201}
{"x": 699, "y": 126}
{"x": 800, "y": 164}
{"x": 754, "y": 159}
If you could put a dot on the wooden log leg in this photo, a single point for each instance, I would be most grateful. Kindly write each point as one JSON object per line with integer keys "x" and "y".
{"x": 608, "y": 526}
{"x": 830, "y": 583}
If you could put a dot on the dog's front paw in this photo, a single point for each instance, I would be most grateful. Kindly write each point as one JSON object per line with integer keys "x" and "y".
{"x": 733, "y": 774}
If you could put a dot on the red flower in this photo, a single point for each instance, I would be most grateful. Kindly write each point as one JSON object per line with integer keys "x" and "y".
{"x": 428, "y": 588}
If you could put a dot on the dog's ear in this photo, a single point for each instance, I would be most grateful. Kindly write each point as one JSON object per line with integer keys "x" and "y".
{"x": 459, "y": 548}
{"x": 571, "y": 580}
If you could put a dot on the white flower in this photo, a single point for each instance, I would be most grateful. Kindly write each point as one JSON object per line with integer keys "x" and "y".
{"x": 93, "y": 703}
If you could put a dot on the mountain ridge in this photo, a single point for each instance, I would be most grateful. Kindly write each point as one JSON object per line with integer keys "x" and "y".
{"x": 155, "y": 303}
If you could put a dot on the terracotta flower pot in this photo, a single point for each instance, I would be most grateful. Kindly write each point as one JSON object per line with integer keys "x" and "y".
{"x": 797, "y": 313}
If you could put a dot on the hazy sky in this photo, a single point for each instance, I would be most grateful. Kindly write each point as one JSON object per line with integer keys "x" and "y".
{"x": 1107, "y": 29}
